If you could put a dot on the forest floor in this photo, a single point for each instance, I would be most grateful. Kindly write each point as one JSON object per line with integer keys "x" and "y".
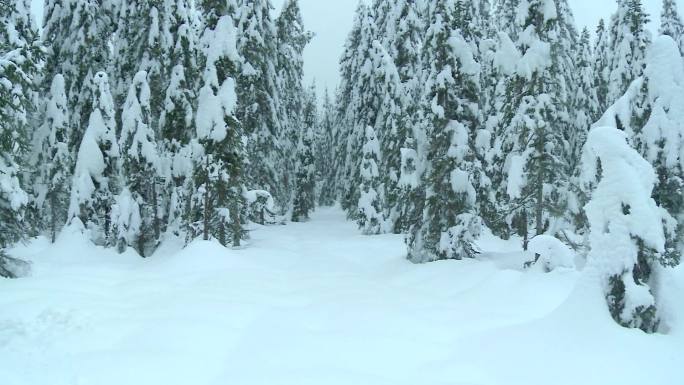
{"x": 318, "y": 304}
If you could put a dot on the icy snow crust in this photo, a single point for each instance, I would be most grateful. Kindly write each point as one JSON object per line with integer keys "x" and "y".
{"x": 318, "y": 304}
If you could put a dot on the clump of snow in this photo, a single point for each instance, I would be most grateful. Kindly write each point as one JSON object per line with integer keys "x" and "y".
{"x": 553, "y": 254}
{"x": 516, "y": 175}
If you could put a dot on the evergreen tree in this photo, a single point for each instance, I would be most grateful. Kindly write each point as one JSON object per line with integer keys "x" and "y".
{"x": 21, "y": 54}
{"x": 349, "y": 71}
{"x": 449, "y": 225}
{"x": 362, "y": 111}
{"x": 176, "y": 120}
{"x": 18, "y": 56}
{"x": 77, "y": 32}
{"x": 96, "y": 175}
{"x": 218, "y": 179}
{"x": 258, "y": 107}
{"x": 671, "y": 23}
{"x": 370, "y": 217}
{"x": 586, "y": 103}
{"x": 600, "y": 65}
{"x": 586, "y": 112}
{"x": 292, "y": 39}
{"x": 325, "y": 153}
{"x": 535, "y": 125}
{"x": 53, "y": 160}
{"x": 405, "y": 197}
{"x": 627, "y": 236}
{"x": 629, "y": 39}
{"x": 393, "y": 126}
{"x": 140, "y": 166}
{"x": 649, "y": 115}
{"x": 305, "y": 174}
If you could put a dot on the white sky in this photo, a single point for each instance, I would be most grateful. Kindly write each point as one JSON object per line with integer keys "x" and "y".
{"x": 331, "y": 20}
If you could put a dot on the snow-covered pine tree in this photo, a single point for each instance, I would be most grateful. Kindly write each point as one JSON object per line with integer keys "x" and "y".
{"x": 410, "y": 134}
{"x": 349, "y": 69}
{"x": 258, "y": 107}
{"x": 671, "y": 23}
{"x": 362, "y": 109}
{"x": 176, "y": 120}
{"x": 52, "y": 161}
{"x": 325, "y": 153}
{"x": 371, "y": 201}
{"x": 78, "y": 33}
{"x": 585, "y": 103}
{"x": 304, "y": 200}
{"x": 17, "y": 73}
{"x": 534, "y": 126}
{"x": 649, "y": 115}
{"x": 600, "y": 65}
{"x": 393, "y": 125}
{"x": 449, "y": 224}
{"x": 292, "y": 39}
{"x": 629, "y": 39}
{"x": 96, "y": 175}
{"x": 143, "y": 43}
{"x": 219, "y": 159}
{"x": 586, "y": 111}
{"x": 626, "y": 227}
{"x": 141, "y": 172}
{"x": 22, "y": 53}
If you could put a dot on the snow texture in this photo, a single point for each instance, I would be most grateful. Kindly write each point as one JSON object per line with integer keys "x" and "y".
{"x": 316, "y": 303}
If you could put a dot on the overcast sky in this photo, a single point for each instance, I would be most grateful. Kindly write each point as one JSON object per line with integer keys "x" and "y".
{"x": 331, "y": 20}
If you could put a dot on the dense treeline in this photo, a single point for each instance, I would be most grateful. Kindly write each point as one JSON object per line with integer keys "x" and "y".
{"x": 458, "y": 116}
{"x": 133, "y": 120}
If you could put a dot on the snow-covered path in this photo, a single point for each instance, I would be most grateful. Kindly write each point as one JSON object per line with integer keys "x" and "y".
{"x": 312, "y": 303}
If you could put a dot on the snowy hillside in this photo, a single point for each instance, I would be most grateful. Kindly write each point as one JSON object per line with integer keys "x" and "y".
{"x": 316, "y": 303}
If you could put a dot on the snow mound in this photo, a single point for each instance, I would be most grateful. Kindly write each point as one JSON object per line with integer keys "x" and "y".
{"x": 553, "y": 253}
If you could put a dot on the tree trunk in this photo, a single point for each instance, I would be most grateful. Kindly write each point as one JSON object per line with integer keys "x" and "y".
{"x": 53, "y": 218}
{"x": 207, "y": 211}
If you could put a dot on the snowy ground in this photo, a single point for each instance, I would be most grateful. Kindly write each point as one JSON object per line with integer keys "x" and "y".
{"x": 317, "y": 304}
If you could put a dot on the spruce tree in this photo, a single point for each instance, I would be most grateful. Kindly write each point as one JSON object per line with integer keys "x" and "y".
{"x": 258, "y": 107}
{"x": 371, "y": 202}
{"x": 600, "y": 65}
{"x": 96, "y": 175}
{"x": 393, "y": 124}
{"x": 325, "y": 153}
{"x": 649, "y": 116}
{"x": 406, "y": 196}
{"x": 534, "y": 126}
{"x": 176, "y": 121}
{"x": 218, "y": 202}
{"x": 53, "y": 161}
{"x": 626, "y": 227}
{"x": 305, "y": 173}
{"x": 362, "y": 109}
{"x": 18, "y": 59}
{"x": 671, "y": 23}
{"x": 629, "y": 39}
{"x": 349, "y": 71}
{"x": 449, "y": 224}
{"x": 292, "y": 39}
{"x": 586, "y": 103}
{"x": 22, "y": 53}
{"x": 78, "y": 32}
{"x": 141, "y": 169}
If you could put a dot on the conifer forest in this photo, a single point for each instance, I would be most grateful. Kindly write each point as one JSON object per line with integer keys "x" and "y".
{"x": 489, "y": 195}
